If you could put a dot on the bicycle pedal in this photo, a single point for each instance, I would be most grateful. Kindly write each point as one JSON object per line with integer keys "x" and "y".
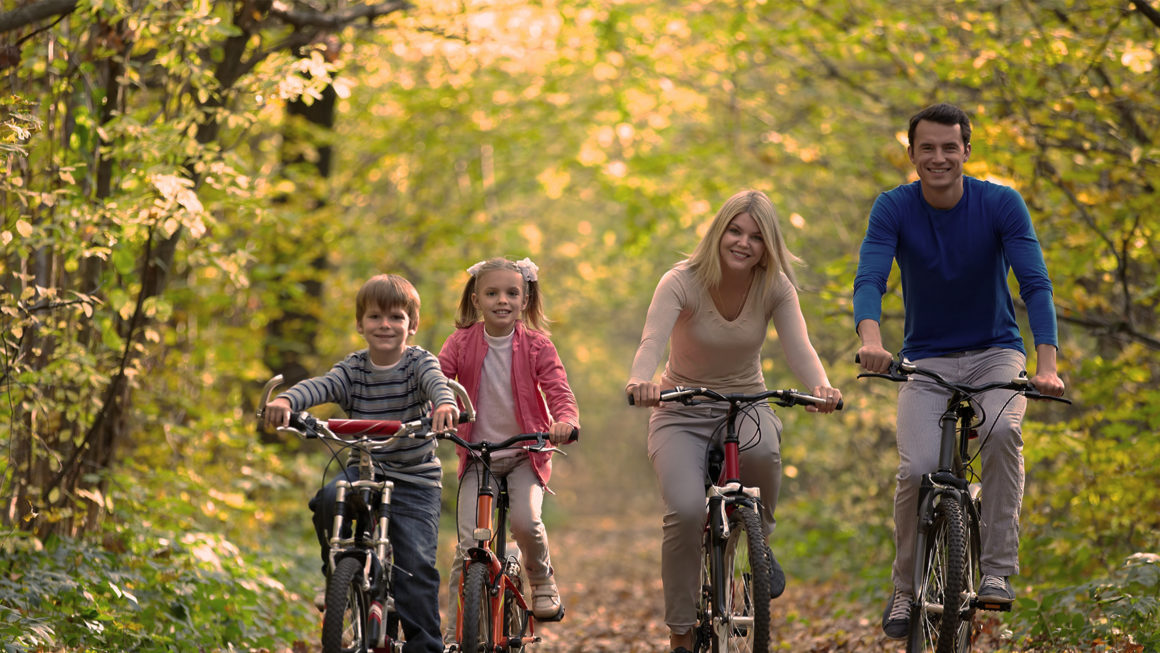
{"x": 992, "y": 606}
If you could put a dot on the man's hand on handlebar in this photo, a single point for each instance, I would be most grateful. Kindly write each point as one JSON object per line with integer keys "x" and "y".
{"x": 445, "y": 417}
{"x": 1048, "y": 383}
{"x": 277, "y": 413}
{"x": 875, "y": 358}
{"x": 644, "y": 394}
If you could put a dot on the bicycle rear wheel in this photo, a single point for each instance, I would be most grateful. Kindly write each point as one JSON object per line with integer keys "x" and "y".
{"x": 344, "y": 625}
{"x": 477, "y": 635}
{"x": 740, "y": 578}
{"x": 938, "y": 609}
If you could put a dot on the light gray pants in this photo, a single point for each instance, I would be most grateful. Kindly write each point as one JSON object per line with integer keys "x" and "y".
{"x": 679, "y": 437}
{"x": 526, "y": 500}
{"x": 920, "y": 404}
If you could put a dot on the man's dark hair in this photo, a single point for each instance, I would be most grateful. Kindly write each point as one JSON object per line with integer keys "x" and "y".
{"x": 944, "y": 114}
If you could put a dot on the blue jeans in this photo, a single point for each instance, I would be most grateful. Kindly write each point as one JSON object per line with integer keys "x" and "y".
{"x": 414, "y": 533}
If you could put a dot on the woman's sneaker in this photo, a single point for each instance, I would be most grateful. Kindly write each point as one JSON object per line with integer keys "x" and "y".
{"x": 776, "y": 576}
{"x": 996, "y": 589}
{"x": 896, "y": 617}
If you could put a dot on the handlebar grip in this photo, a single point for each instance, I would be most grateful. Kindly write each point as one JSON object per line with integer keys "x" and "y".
{"x": 575, "y": 435}
{"x": 841, "y": 403}
{"x": 631, "y": 400}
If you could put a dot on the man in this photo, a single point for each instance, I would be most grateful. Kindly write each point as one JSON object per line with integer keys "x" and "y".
{"x": 955, "y": 238}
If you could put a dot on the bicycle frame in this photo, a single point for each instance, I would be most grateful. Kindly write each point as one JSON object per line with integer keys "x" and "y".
{"x": 491, "y": 514}
{"x": 493, "y": 502}
{"x": 727, "y": 498}
{"x": 364, "y": 504}
{"x": 950, "y": 482}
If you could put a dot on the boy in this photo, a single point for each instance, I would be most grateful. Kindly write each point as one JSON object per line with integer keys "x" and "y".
{"x": 390, "y": 380}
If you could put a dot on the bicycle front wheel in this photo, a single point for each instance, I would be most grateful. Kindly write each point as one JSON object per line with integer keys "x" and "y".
{"x": 477, "y": 635}
{"x": 739, "y": 575}
{"x": 344, "y": 625}
{"x": 938, "y": 610}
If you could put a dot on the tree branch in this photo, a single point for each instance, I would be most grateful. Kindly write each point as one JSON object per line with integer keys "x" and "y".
{"x": 301, "y": 18}
{"x": 1148, "y": 10}
{"x": 28, "y": 14}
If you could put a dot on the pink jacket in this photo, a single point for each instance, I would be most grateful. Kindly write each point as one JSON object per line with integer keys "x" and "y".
{"x": 537, "y": 374}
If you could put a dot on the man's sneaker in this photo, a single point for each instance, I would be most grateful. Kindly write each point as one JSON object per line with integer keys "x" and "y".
{"x": 546, "y": 605}
{"x": 996, "y": 589}
{"x": 776, "y": 576}
{"x": 896, "y": 617}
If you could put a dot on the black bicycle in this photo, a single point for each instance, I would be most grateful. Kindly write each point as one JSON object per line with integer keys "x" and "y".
{"x": 733, "y": 614}
{"x": 947, "y": 572}
{"x": 359, "y": 605}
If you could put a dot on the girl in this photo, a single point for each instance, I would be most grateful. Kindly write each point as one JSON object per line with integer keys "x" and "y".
{"x": 715, "y": 307}
{"x": 500, "y": 352}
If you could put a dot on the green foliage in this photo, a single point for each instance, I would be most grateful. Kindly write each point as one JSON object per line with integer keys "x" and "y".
{"x": 1120, "y": 610}
{"x": 144, "y": 591}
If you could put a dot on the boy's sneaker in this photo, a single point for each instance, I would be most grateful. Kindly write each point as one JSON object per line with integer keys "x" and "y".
{"x": 546, "y": 604}
{"x": 776, "y": 576}
{"x": 896, "y": 617}
{"x": 996, "y": 589}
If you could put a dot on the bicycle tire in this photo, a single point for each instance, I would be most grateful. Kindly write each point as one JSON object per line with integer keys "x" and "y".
{"x": 477, "y": 635}
{"x": 739, "y": 574}
{"x": 937, "y": 611}
{"x": 344, "y": 626}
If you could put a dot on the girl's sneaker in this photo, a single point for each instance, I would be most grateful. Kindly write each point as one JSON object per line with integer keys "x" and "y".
{"x": 546, "y": 604}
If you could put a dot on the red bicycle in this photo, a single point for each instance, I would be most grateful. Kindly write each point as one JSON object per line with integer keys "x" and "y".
{"x": 733, "y": 614}
{"x": 494, "y": 615}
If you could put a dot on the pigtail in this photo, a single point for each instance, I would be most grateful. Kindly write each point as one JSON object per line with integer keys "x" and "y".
{"x": 467, "y": 314}
{"x": 534, "y": 311}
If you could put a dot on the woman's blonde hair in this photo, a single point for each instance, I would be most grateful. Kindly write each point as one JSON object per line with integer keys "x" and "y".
{"x": 705, "y": 262}
{"x": 533, "y": 313}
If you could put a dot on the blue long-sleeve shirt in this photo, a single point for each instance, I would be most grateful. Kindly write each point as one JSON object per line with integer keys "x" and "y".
{"x": 954, "y": 266}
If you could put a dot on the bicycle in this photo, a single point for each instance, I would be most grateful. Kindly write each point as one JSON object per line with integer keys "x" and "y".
{"x": 947, "y": 572}
{"x": 494, "y": 615}
{"x": 733, "y": 613}
{"x": 359, "y": 614}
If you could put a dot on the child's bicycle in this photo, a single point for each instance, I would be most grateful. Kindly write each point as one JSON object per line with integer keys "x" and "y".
{"x": 733, "y": 614}
{"x": 359, "y": 605}
{"x": 493, "y": 614}
{"x": 947, "y": 572}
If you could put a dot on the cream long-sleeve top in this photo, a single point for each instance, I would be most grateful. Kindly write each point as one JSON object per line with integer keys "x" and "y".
{"x": 710, "y": 351}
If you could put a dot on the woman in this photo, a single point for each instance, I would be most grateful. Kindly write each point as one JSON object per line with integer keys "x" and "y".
{"x": 716, "y": 307}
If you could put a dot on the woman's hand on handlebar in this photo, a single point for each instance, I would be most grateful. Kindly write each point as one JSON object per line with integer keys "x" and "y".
{"x": 832, "y": 397}
{"x": 445, "y": 417}
{"x": 644, "y": 394}
{"x": 277, "y": 413}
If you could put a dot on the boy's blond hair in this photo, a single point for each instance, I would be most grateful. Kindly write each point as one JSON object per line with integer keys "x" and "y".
{"x": 388, "y": 291}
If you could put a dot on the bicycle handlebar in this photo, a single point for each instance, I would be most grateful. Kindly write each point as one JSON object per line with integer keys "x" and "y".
{"x": 541, "y": 438}
{"x": 783, "y": 398}
{"x": 365, "y": 430}
{"x": 901, "y": 370}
